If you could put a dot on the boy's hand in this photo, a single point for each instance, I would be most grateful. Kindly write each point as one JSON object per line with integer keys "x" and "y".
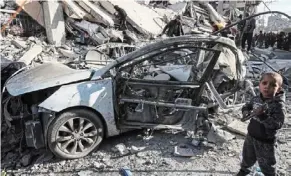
{"x": 258, "y": 111}
{"x": 245, "y": 113}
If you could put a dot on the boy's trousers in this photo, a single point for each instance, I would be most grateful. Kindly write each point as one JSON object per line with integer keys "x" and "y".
{"x": 264, "y": 153}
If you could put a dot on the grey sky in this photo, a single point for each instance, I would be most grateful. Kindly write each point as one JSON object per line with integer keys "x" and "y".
{"x": 278, "y": 5}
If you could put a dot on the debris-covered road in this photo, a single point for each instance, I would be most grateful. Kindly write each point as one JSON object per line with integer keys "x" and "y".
{"x": 149, "y": 155}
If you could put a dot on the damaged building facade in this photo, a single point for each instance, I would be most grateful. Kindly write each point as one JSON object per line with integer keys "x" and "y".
{"x": 103, "y": 81}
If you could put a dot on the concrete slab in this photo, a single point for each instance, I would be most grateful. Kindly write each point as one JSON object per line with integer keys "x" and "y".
{"x": 19, "y": 43}
{"x": 54, "y": 22}
{"x": 217, "y": 135}
{"x": 144, "y": 19}
{"x": 238, "y": 127}
{"x": 179, "y": 7}
{"x": 30, "y": 54}
{"x": 95, "y": 11}
{"x": 68, "y": 53}
{"x": 73, "y": 10}
{"x": 33, "y": 9}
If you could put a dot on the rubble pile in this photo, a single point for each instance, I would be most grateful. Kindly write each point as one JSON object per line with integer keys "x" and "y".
{"x": 93, "y": 34}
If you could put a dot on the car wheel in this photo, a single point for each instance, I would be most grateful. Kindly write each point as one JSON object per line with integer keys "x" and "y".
{"x": 74, "y": 134}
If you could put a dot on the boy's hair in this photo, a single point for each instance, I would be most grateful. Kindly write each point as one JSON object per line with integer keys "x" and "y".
{"x": 276, "y": 76}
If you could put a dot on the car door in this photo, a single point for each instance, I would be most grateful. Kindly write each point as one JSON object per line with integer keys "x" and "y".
{"x": 160, "y": 88}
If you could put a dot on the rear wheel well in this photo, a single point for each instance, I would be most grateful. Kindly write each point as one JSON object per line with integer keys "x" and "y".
{"x": 88, "y": 109}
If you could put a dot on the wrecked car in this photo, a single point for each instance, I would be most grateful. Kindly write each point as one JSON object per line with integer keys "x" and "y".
{"x": 171, "y": 83}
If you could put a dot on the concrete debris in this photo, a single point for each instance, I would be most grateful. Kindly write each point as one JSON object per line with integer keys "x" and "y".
{"x": 74, "y": 11}
{"x": 217, "y": 135}
{"x": 149, "y": 24}
{"x": 19, "y": 43}
{"x": 179, "y": 72}
{"x": 134, "y": 149}
{"x": 54, "y": 22}
{"x": 95, "y": 55}
{"x": 33, "y": 9}
{"x": 68, "y": 53}
{"x": 237, "y": 126}
{"x": 98, "y": 165}
{"x": 99, "y": 15}
{"x": 31, "y": 54}
{"x": 179, "y": 7}
{"x": 121, "y": 149}
{"x": 86, "y": 173}
{"x": 183, "y": 150}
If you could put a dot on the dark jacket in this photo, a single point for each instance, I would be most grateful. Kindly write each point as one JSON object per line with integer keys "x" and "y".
{"x": 121, "y": 13}
{"x": 264, "y": 127}
{"x": 174, "y": 27}
{"x": 250, "y": 26}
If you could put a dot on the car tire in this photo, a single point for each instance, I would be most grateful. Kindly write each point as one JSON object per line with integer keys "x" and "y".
{"x": 75, "y": 134}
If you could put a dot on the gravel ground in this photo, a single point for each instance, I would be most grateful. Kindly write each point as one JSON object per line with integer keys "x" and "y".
{"x": 156, "y": 157}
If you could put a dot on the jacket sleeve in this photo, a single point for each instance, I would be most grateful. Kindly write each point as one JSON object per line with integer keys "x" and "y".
{"x": 166, "y": 27}
{"x": 248, "y": 106}
{"x": 276, "y": 117}
{"x": 253, "y": 24}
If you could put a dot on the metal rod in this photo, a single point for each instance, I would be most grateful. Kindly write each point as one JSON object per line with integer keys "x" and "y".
{"x": 255, "y": 15}
{"x": 157, "y": 103}
{"x": 163, "y": 85}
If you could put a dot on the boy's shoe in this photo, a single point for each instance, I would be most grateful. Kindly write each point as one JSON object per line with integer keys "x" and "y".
{"x": 241, "y": 173}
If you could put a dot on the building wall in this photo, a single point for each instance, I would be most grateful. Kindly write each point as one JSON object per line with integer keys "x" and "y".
{"x": 277, "y": 23}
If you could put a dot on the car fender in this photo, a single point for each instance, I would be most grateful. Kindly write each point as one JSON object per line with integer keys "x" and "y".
{"x": 97, "y": 95}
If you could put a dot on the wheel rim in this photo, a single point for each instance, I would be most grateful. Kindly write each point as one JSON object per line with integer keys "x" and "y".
{"x": 77, "y": 135}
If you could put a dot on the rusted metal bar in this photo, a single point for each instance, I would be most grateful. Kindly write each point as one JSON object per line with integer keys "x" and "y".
{"x": 158, "y": 103}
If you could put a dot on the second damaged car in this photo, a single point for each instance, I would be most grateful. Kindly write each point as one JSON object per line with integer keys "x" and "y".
{"x": 171, "y": 83}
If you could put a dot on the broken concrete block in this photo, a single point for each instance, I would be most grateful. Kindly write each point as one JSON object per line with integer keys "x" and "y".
{"x": 238, "y": 127}
{"x": 97, "y": 13}
{"x": 19, "y": 43}
{"x": 149, "y": 24}
{"x": 68, "y": 53}
{"x": 30, "y": 54}
{"x": 135, "y": 149}
{"x": 95, "y": 55}
{"x": 121, "y": 149}
{"x": 183, "y": 150}
{"x": 179, "y": 7}
{"x": 73, "y": 10}
{"x": 54, "y": 22}
{"x": 33, "y": 9}
{"x": 99, "y": 38}
{"x": 217, "y": 135}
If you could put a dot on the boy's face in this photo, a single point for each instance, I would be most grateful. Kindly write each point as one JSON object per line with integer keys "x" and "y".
{"x": 269, "y": 87}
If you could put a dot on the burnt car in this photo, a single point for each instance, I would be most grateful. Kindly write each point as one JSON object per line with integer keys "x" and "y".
{"x": 170, "y": 83}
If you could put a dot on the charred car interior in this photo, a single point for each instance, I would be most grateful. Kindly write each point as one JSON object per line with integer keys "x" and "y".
{"x": 173, "y": 83}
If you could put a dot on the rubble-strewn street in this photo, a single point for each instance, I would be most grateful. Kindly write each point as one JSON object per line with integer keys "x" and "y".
{"x": 156, "y": 155}
{"x": 130, "y": 87}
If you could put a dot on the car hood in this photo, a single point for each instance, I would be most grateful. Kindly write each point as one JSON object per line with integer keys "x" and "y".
{"x": 43, "y": 77}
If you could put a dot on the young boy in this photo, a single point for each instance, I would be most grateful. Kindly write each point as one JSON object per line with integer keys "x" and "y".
{"x": 259, "y": 144}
